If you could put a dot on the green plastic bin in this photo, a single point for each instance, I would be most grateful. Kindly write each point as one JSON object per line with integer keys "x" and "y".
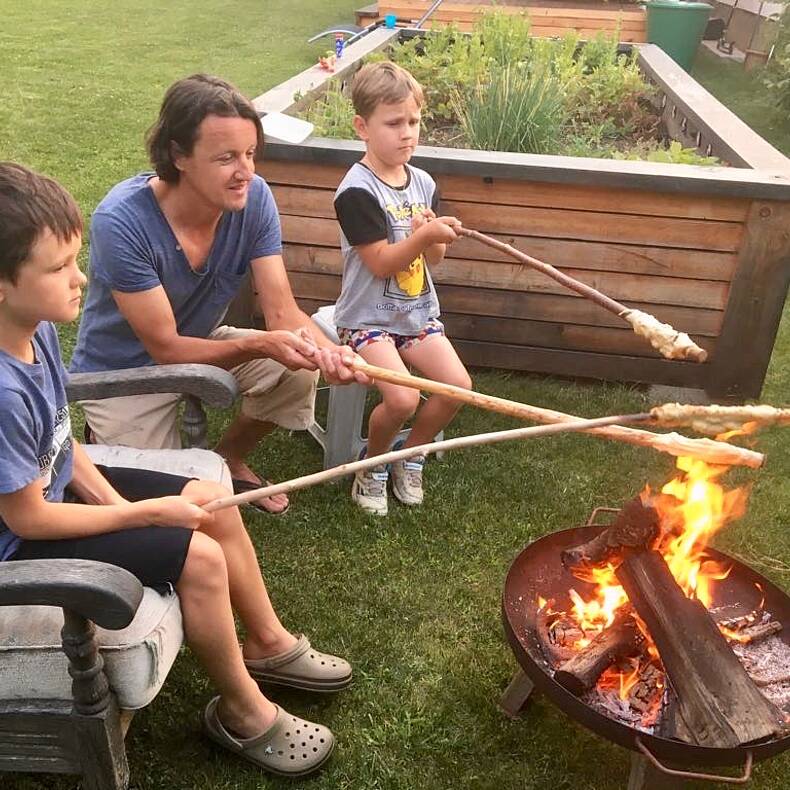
{"x": 677, "y": 28}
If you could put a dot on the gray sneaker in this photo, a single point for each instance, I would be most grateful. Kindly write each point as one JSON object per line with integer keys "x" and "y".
{"x": 369, "y": 490}
{"x": 407, "y": 480}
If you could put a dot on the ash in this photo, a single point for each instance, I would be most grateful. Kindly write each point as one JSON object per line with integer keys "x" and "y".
{"x": 768, "y": 663}
{"x": 608, "y": 703}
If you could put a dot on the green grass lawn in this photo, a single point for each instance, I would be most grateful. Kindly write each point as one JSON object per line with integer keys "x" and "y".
{"x": 413, "y": 600}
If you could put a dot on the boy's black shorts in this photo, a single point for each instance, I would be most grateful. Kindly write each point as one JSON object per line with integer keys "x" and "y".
{"x": 155, "y": 555}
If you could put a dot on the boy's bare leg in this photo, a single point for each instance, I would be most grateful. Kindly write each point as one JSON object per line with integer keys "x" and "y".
{"x": 238, "y": 441}
{"x": 397, "y": 403}
{"x": 211, "y": 633}
{"x": 435, "y": 358}
{"x": 266, "y": 635}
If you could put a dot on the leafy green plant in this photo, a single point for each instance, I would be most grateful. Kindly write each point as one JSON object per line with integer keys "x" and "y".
{"x": 514, "y": 109}
{"x": 444, "y": 62}
{"x": 777, "y": 74}
{"x": 504, "y": 37}
{"x": 499, "y": 89}
{"x": 332, "y": 116}
{"x": 674, "y": 154}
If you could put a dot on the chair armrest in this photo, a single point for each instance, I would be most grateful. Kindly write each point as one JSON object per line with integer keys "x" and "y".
{"x": 211, "y": 384}
{"x": 106, "y": 594}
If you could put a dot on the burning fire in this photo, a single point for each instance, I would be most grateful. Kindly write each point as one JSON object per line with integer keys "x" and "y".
{"x": 692, "y": 508}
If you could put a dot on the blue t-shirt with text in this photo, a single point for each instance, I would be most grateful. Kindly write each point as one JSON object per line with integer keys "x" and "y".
{"x": 35, "y": 440}
{"x": 133, "y": 248}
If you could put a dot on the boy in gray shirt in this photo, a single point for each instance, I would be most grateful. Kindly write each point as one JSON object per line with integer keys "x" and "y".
{"x": 388, "y": 311}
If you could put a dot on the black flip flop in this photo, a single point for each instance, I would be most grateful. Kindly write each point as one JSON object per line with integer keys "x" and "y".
{"x": 242, "y": 486}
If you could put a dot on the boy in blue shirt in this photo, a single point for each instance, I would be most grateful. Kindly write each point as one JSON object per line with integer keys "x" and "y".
{"x": 55, "y": 503}
{"x": 388, "y": 311}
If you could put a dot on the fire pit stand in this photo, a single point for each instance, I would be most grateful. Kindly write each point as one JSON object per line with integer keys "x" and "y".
{"x": 658, "y": 763}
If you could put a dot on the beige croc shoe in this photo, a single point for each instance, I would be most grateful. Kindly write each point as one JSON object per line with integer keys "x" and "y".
{"x": 302, "y": 667}
{"x": 290, "y": 747}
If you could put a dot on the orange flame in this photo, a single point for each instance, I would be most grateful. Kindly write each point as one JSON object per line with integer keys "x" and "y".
{"x": 744, "y": 430}
{"x": 692, "y": 508}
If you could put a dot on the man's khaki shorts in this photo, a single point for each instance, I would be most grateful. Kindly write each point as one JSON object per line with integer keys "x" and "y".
{"x": 270, "y": 393}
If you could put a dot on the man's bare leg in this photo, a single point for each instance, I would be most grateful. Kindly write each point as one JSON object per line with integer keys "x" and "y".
{"x": 238, "y": 441}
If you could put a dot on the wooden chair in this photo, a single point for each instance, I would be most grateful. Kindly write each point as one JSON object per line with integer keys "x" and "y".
{"x": 83, "y": 644}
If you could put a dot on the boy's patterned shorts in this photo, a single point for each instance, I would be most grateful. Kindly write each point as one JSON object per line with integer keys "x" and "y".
{"x": 359, "y": 338}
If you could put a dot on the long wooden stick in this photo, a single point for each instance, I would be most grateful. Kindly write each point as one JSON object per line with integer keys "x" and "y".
{"x": 664, "y": 338}
{"x": 673, "y": 443}
{"x": 423, "y": 449}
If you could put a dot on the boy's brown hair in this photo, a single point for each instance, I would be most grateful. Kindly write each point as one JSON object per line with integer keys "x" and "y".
{"x": 185, "y": 105}
{"x": 30, "y": 204}
{"x": 383, "y": 83}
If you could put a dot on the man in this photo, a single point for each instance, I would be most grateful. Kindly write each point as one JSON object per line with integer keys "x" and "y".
{"x": 168, "y": 254}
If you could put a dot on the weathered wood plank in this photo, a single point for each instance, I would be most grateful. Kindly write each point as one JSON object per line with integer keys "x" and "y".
{"x": 538, "y": 334}
{"x": 523, "y": 193}
{"x": 581, "y": 225}
{"x": 564, "y": 18}
{"x": 598, "y": 226}
{"x": 514, "y": 277}
{"x": 757, "y": 298}
{"x": 105, "y": 594}
{"x": 545, "y": 334}
{"x": 468, "y": 11}
{"x": 574, "y": 196}
{"x": 736, "y": 141}
{"x": 325, "y": 288}
{"x": 586, "y": 32}
{"x": 312, "y": 81}
{"x": 214, "y": 386}
{"x": 557, "y": 362}
{"x": 598, "y": 256}
{"x": 659, "y": 177}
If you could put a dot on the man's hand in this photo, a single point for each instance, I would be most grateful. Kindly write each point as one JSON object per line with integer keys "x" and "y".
{"x": 293, "y": 350}
{"x": 336, "y": 363}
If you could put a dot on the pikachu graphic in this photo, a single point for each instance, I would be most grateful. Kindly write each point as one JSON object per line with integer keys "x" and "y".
{"x": 412, "y": 281}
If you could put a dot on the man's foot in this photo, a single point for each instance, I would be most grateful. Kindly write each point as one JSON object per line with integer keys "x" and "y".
{"x": 239, "y": 471}
{"x": 369, "y": 490}
{"x": 407, "y": 480}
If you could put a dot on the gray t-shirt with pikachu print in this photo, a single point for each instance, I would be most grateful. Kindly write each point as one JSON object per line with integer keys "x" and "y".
{"x": 369, "y": 210}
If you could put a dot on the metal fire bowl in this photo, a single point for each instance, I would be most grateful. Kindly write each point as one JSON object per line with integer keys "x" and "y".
{"x": 538, "y": 570}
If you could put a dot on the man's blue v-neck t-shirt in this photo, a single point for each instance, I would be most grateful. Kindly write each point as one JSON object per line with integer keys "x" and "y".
{"x": 133, "y": 248}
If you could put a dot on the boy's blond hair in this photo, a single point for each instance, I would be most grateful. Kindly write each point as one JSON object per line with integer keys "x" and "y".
{"x": 383, "y": 83}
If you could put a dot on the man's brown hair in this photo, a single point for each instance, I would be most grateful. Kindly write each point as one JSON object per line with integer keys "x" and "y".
{"x": 186, "y": 103}
{"x": 30, "y": 204}
{"x": 383, "y": 83}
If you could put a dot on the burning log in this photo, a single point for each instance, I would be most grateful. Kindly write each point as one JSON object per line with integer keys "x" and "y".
{"x": 622, "y": 638}
{"x": 636, "y": 526}
{"x": 746, "y": 628}
{"x": 756, "y": 632}
{"x": 718, "y": 702}
{"x": 557, "y": 634}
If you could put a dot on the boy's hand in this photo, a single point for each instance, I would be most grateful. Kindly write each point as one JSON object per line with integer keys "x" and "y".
{"x": 418, "y": 220}
{"x": 440, "y": 230}
{"x": 175, "y": 511}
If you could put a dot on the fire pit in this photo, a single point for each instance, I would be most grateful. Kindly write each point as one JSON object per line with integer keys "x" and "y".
{"x": 629, "y": 697}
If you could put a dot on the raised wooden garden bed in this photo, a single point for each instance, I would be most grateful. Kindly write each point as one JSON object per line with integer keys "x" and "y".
{"x": 705, "y": 249}
{"x": 547, "y": 17}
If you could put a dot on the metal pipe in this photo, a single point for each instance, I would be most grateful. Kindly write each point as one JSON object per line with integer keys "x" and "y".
{"x": 425, "y": 16}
